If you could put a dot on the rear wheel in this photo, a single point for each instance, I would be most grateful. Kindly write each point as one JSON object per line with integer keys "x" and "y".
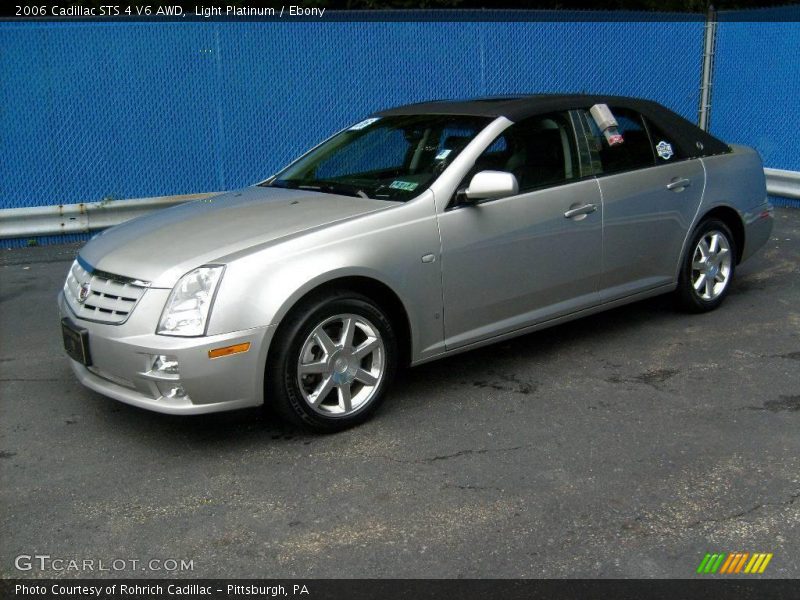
{"x": 335, "y": 357}
{"x": 708, "y": 267}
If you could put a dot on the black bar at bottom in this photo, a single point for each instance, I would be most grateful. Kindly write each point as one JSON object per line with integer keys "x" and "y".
{"x": 405, "y": 589}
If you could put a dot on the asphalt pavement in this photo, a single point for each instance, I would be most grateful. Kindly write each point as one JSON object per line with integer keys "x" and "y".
{"x": 626, "y": 444}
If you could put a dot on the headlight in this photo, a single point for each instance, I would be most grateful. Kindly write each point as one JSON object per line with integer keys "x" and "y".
{"x": 186, "y": 311}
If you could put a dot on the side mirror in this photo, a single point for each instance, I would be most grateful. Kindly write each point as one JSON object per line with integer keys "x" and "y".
{"x": 489, "y": 185}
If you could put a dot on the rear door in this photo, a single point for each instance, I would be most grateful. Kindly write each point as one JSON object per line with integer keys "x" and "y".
{"x": 651, "y": 195}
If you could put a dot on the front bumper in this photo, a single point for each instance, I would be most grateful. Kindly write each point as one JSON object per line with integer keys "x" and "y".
{"x": 123, "y": 355}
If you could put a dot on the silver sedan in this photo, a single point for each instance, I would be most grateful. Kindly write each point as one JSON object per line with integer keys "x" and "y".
{"x": 414, "y": 234}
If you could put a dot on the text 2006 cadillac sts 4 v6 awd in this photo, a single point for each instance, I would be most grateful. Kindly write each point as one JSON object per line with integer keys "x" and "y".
{"x": 414, "y": 234}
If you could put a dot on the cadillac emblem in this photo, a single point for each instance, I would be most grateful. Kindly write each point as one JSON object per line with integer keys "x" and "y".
{"x": 84, "y": 292}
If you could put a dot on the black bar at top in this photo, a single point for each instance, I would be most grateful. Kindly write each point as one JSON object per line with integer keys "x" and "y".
{"x": 12, "y": 12}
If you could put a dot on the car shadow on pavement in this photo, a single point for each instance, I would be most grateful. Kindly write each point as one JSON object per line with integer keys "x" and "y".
{"x": 483, "y": 365}
{"x": 239, "y": 427}
{"x": 413, "y": 385}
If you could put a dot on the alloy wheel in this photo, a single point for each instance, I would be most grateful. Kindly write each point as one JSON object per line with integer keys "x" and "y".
{"x": 711, "y": 265}
{"x": 341, "y": 365}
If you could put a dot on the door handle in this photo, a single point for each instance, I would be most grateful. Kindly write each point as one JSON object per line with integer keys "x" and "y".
{"x": 586, "y": 209}
{"x": 678, "y": 184}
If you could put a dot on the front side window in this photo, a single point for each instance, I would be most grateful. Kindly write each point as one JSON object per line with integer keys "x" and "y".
{"x": 386, "y": 158}
{"x": 635, "y": 151}
{"x": 538, "y": 151}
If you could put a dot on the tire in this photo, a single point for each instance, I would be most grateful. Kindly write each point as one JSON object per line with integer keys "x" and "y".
{"x": 343, "y": 381}
{"x": 706, "y": 274}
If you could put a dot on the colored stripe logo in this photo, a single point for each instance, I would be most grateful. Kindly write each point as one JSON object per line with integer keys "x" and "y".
{"x": 734, "y": 563}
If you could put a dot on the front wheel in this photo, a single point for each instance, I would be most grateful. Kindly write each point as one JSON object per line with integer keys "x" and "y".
{"x": 707, "y": 269}
{"x": 335, "y": 357}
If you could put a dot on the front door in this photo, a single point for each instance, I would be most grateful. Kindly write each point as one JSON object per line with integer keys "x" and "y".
{"x": 516, "y": 261}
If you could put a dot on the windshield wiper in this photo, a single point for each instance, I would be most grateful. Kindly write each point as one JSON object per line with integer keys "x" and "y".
{"x": 322, "y": 187}
{"x": 327, "y": 188}
{"x": 278, "y": 183}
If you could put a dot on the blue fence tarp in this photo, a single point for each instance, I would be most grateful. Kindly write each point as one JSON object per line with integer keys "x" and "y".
{"x": 124, "y": 110}
{"x": 756, "y": 92}
{"x": 133, "y": 110}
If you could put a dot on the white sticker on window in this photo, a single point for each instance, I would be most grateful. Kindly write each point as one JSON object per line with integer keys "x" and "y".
{"x": 364, "y": 123}
{"x": 664, "y": 150}
{"x": 407, "y": 186}
{"x": 443, "y": 154}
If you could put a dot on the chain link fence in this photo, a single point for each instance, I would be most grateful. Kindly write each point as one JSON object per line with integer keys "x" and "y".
{"x": 757, "y": 86}
{"x": 95, "y": 111}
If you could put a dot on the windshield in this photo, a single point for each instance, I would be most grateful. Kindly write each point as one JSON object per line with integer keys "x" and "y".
{"x": 386, "y": 158}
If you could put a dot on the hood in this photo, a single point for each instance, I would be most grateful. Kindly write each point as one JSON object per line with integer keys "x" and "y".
{"x": 162, "y": 246}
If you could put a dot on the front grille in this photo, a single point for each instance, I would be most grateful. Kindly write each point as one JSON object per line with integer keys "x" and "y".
{"x": 109, "y": 299}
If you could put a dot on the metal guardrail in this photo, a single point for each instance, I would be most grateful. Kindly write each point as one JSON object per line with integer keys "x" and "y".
{"x": 90, "y": 216}
{"x": 83, "y": 217}
{"x": 783, "y": 183}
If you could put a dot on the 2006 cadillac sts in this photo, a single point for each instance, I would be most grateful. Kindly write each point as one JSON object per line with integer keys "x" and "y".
{"x": 414, "y": 234}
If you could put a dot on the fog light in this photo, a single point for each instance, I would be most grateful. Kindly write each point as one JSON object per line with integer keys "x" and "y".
{"x": 165, "y": 364}
{"x": 171, "y": 390}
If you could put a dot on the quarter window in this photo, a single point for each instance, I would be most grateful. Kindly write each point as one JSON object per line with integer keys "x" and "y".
{"x": 665, "y": 148}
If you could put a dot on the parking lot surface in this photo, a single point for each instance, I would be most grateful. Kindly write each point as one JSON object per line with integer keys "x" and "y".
{"x": 626, "y": 444}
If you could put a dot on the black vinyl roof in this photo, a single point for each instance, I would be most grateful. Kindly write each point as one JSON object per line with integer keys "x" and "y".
{"x": 693, "y": 140}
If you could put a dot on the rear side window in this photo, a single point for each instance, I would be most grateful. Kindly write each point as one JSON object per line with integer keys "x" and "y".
{"x": 635, "y": 152}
